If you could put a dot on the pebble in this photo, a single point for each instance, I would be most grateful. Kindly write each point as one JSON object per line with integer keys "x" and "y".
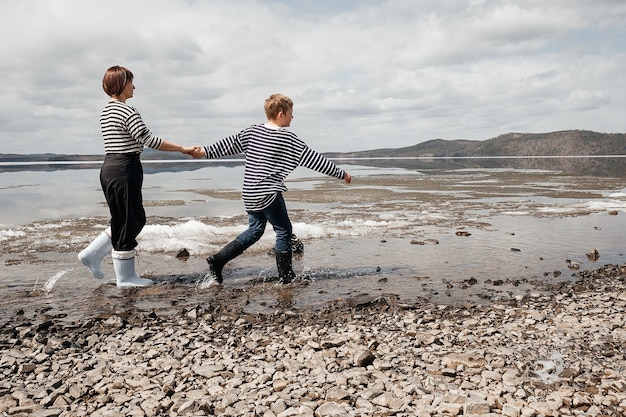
{"x": 556, "y": 352}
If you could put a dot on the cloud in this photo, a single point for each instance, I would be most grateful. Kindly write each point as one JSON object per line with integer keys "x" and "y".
{"x": 363, "y": 74}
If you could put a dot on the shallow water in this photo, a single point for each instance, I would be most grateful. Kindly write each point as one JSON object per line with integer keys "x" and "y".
{"x": 446, "y": 234}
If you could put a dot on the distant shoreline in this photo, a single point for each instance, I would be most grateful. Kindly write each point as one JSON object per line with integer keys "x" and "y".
{"x": 560, "y": 144}
{"x": 338, "y": 158}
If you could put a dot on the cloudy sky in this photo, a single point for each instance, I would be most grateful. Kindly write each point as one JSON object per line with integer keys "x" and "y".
{"x": 363, "y": 74}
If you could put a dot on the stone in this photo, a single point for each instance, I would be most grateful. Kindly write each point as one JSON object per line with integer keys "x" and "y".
{"x": 337, "y": 394}
{"x": 469, "y": 360}
{"x": 478, "y": 408}
{"x": 331, "y": 409}
{"x": 364, "y": 358}
{"x": 549, "y": 352}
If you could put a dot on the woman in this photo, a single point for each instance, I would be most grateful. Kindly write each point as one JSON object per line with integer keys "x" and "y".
{"x": 121, "y": 177}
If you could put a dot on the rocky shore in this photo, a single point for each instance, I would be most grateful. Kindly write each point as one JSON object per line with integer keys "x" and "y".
{"x": 556, "y": 352}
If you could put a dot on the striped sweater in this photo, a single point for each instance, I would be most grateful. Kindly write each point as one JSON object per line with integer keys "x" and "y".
{"x": 271, "y": 155}
{"x": 124, "y": 131}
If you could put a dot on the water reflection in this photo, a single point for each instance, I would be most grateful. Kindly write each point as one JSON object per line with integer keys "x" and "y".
{"x": 596, "y": 165}
{"x": 600, "y": 166}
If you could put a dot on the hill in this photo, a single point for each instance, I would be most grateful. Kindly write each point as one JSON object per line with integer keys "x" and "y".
{"x": 562, "y": 143}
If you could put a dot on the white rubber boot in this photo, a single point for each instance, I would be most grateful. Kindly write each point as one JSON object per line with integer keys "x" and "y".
{"x": 93, "y": 254}
{"x": 124, "y": 265}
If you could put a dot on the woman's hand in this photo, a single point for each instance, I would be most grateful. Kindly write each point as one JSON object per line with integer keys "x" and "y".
{"x": 188, "y": 150}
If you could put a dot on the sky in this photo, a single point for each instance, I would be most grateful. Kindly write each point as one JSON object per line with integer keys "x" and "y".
{"x": 363, "y": 74}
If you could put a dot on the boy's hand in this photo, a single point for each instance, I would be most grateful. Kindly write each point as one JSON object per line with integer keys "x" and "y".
{"x": 347, "y": 178}
{"x": 198, "y": 152}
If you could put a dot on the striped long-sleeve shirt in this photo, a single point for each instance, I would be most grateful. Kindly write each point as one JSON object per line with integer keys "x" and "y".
{"x": 271, "y": 155}
{"x": 124, "y": 131}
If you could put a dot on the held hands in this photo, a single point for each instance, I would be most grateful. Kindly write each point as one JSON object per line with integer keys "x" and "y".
{"x": 198, "y": 152}
{"x": 194, "y": 151}
{"x": 347, "y": 178}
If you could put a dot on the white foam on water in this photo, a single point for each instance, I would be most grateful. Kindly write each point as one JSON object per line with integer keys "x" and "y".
{"x": 584, "y": 207}
{"x": 49, "y": 285}
{"x": 601, "y": 205}
{"x": 516, "y": 213}
{"x": 202, "y": 238}
{"x": 10, "y": 233}
{"x": 307, "y": 230}
{"x": 193, "y": 235}
{"x": 434, "y": 216}
{"x": 564, "y": 210}
{"x": 489, "y": 181}
{"x": 621, "y": 194}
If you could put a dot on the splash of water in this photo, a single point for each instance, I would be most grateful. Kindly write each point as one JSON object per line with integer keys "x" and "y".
{"x": 209, "y": 280}
{"x": 53, "y": 280}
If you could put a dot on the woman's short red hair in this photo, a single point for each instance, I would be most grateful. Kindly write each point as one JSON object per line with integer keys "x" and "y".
{"x": 115, "y": 79}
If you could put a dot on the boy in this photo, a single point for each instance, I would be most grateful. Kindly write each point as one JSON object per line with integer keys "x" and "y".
{"x": 272, "y": 153}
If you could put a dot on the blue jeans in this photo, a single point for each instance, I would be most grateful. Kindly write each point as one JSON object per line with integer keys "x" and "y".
{"x": 276, "y": 214}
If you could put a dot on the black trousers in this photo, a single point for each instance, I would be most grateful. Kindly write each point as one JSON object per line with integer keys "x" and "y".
{"x": 121, "y": 177}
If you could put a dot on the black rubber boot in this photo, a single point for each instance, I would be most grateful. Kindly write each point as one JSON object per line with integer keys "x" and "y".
{"x": 285, "y": 270}
{"x": 227, "y": 253}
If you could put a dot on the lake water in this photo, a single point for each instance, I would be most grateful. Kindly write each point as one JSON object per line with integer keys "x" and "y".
{"x": 448, "y": 230}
